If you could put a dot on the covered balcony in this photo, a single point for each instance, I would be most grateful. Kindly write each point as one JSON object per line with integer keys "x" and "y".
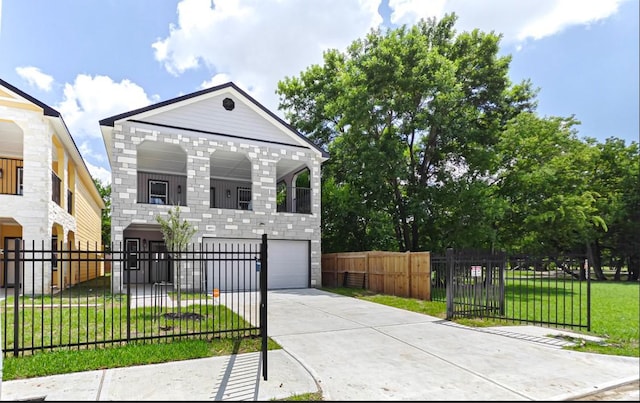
{"x": 293, "y": 187}
{"x": 162, "y": 174}
{"x": 11, "y": 176}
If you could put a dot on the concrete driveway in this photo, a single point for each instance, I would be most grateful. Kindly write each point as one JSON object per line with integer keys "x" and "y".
{"x": 358, "y": 350}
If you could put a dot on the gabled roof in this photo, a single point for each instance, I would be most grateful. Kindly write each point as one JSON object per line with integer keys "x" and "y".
{"x": 110, "y": 121}
{"x": 61, "y": 127}
{"x": 48, "y": 111}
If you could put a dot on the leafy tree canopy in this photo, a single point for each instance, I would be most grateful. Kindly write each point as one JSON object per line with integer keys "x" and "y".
{"x": 398, "y": 110}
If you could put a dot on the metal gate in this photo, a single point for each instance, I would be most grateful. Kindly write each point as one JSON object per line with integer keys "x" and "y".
{"x": 475, "y": 284}
{"x": 552, "y": 290}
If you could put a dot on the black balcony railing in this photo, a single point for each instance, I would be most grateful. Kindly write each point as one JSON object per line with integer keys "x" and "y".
{"x": 55, "y": 188}
{"x": 233, "y": 198}
{"x": 10, "y": 176}
{"x": 294, "y": 200}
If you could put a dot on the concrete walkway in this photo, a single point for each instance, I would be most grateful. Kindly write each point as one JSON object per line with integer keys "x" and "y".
{"x": 357, "y": 350}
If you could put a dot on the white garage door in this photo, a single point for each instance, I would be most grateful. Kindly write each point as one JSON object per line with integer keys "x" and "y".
{"x": 288, "y": 264}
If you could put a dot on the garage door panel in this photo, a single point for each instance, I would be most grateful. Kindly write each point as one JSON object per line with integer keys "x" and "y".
{"x": 288, "y": 264}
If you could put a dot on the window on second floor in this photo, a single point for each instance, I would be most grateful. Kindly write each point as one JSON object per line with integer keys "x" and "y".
{"x": 244, "y": 199}
{"x": 158, "y": 192}
{"x": 19, "y": 185}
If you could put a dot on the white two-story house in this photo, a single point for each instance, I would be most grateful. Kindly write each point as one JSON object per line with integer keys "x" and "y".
{"x": 236, "y": 170}
{"x": 47, "y": 197}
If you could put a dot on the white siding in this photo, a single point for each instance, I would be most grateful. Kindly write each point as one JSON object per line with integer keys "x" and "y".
{"x": 209, "y": 115}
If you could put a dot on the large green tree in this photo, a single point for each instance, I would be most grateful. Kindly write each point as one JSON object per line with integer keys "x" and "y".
{"x": 615, "y": 176}
{"x": 543, "y": 178}
{"x": 404, "y": 113}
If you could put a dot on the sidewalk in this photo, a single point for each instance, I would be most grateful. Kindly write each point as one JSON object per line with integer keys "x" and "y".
{"x": 235, "y": 377}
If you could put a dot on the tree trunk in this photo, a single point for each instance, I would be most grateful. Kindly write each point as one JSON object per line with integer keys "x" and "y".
{"x": 595, "y": 257}
{"x": 634, "y": 268}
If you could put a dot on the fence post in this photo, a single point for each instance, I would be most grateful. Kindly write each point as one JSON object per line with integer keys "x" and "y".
{"x": 125, "y": 266}
{"x": 263, "y": 303}
{"x": 17, "y": 286}
{"x": 588, "y": 270}
{"x": 449, "y": 283}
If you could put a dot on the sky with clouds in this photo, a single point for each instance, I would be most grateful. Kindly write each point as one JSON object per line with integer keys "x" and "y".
{"x": 93, "y": 59}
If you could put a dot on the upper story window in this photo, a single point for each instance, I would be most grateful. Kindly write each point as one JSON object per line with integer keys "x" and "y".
{"x": 158, "y": 192}
{"x": 244, "y": 199}
{"x": 19, "y": 185}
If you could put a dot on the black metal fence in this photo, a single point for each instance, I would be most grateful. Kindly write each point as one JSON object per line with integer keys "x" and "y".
{"x": 213, "y": 292}
{"x": 554, "y": 291}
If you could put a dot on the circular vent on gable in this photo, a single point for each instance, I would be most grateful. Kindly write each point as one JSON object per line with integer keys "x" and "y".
{"x": 228, "y": 104}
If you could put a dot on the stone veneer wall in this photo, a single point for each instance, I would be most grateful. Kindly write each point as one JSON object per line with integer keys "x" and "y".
{"x": 214, "y": 222}
{"x": 34, "y": 210}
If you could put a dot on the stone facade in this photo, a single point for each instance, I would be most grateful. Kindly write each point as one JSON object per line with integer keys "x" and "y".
{"x": 215, "y": 222}
{"x": 34, "y": 210}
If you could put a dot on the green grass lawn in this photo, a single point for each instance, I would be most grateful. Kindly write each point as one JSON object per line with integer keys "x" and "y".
{"x": 99, "y": 322}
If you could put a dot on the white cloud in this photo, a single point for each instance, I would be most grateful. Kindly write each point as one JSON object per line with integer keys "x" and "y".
{"x": 258, "y": 43}
{"x": 100, "y": 173}
{"x": 566, "y": 13}
{"x": 89, "y": 99}
{"x": 88, "y": 151}
{"x": 217, "y": 80}
{"x": 35, "y": 77}
{"x": 518, "y": 21}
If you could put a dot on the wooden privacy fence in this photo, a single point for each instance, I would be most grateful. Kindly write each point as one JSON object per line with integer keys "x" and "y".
{"x": 403, "y": 274}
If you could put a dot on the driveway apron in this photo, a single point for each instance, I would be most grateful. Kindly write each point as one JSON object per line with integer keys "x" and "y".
{"x": 359, "y": 350}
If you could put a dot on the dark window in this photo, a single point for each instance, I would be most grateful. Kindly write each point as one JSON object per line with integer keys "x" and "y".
{"x": 158, "y": 191}
{"x": 69, "y": 202}
{"x": 244, "y": 199}
{"x": 19, "y": 181}
{"x": 54, "y": 252}
{"x": 132, "y": 246}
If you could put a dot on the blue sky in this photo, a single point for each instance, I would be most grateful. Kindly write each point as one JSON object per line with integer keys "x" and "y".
{"x": 92, "y": 59}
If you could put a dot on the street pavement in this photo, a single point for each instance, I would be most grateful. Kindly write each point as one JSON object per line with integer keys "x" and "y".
{"x": 351, "y": 349}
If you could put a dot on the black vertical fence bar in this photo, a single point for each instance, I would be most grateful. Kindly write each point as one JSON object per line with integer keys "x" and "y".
{"x": 125, "y": 267}
{"x": 87, "y": 266}
{"x": 5, "y": 259}
{"x": 78, "y": 310}
{"x": 233, "y": 272}
{"x": 218, "y": 266}
{"x": 16, "y": 299}
{"x": 42, "y": 298}
{"x": 263, "y": 303}
{"x": 588, "y": 275}
{"x": 449, "y": 282}
{"x": 61, "y": 259}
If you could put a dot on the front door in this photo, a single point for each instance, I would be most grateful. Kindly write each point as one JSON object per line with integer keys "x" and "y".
{"x": 160, "y": 269}
{"x": 10, "y": 269}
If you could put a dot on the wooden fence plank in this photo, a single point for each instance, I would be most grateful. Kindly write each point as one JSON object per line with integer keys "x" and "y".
{"x": 403, "y": 274}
